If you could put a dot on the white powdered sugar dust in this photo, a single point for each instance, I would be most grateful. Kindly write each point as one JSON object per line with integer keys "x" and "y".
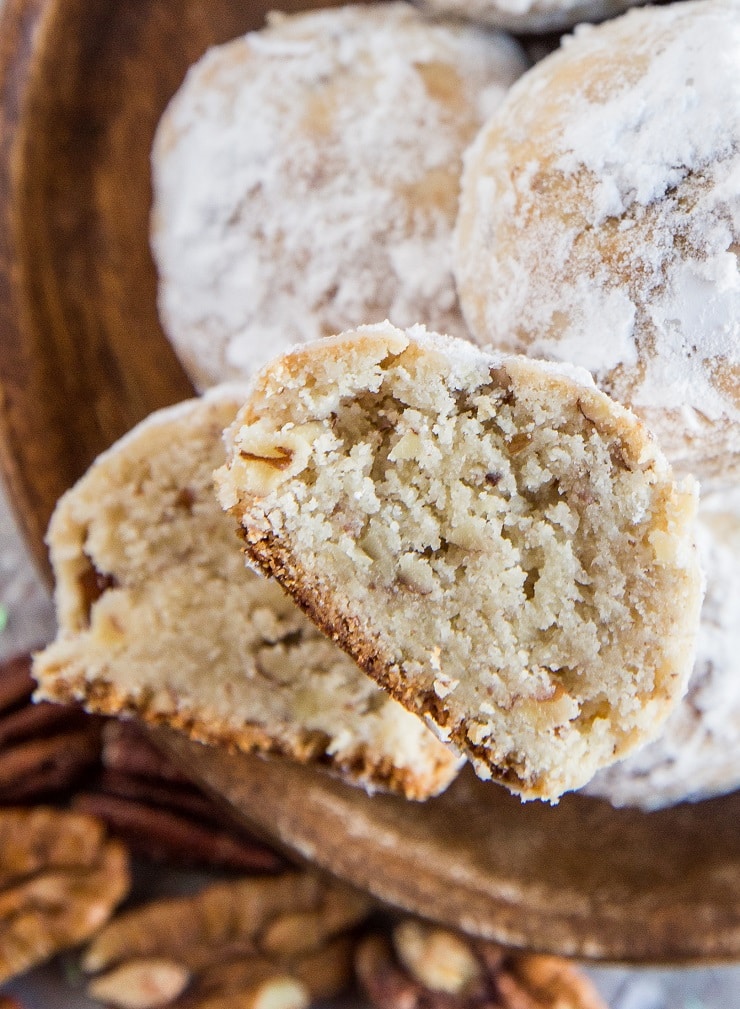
{"x": 600, "y": 221}
{"x": 306, "y": 179}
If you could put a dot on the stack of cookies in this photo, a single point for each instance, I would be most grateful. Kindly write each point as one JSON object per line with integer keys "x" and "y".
{"x": 489, "y": 544}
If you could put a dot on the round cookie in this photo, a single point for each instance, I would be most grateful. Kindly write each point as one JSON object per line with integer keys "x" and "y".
{"x": 496, "y": 542}
{"x": 600, "y": 222}
{"x": 306, "y": 179}
{"x": 531, "y": 16}
{"x": 697, "y": 754}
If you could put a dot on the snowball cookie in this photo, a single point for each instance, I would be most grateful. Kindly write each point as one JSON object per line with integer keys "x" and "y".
{"x": 525, "y": 16}
{"x": 497, "y": 543}
{"x": 697, "y": 754}
{"x": 600, "y": 222}
{"x": 306, "y": 179}
{"x": 159, "y": 618}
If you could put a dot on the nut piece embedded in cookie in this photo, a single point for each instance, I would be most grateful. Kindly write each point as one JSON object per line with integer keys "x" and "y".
{"x": 500, "y": 545}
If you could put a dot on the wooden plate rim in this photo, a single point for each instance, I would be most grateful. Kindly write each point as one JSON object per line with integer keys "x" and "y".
{"x": 26, "y": 30}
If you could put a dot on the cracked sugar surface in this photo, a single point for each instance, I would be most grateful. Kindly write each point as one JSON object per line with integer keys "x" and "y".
{"x": 500, "y": 545}
{"x": 160, "y": 618}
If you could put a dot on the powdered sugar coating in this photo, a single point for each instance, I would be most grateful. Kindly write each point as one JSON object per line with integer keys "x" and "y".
{"x": 600, "y": 221}
{"x": 697, "y": 754}
{"x": 306, "y": 180}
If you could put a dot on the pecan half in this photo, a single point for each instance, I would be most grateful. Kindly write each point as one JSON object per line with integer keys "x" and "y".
{"x": 61, "y": 880}
{"x": 44, "y": 748}
{"x": 207, "y": 950}
{"x": 426, "y": 967}
{"x": 163, "y": 835}
{"x": 198, "y": 930}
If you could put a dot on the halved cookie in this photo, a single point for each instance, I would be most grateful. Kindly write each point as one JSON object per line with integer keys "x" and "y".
{"x": 159, "y": 618}
{"x": 496, "y": 542}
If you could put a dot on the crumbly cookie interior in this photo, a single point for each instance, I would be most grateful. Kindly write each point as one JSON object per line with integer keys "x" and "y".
{"x": 161, "y": 619}
{"x": 508, "y": 549}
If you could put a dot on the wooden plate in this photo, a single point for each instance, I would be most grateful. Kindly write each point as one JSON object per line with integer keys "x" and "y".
{"x": 82, "y": 358}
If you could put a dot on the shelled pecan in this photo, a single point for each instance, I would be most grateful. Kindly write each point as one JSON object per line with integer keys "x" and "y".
{"x": 422, "y": 966}
{"x": 60, "y": 879}
{"x": 109, "y": 769}
{"x": 126, "y": 748}
{"x": 229, "y": 942}
{"x": 45, "y": 749}
{"x": 147, "y": 802}
{"x": 262, "y": 942}
{"x": 162, "y": 835}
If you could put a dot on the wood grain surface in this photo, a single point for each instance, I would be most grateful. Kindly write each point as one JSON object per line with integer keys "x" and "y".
{"x": 580, "y": 878}
{"x": 83, "y": 358}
